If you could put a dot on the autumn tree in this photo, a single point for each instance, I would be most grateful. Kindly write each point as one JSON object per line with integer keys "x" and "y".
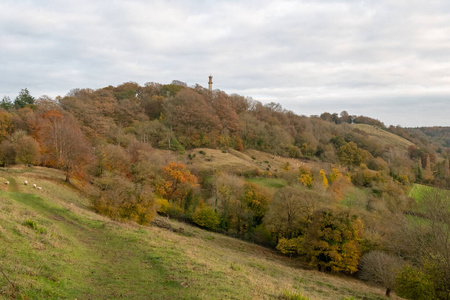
{"x": 154, "y": 106}
{"x": 227, "y": 193}
{"x": 113, "y": 158}
{"x": 121, "y": 199}
{"x": 305, "y": 177}
{"x": 6, "y": 125}
{"x": 247, "y": 208}
{"x": 193, "y": 120}
{"x": 27, "y": 151}
{"x": 205, "y": 216}
{"x": 350, "y": 155}
{"x": 228, "y": 117}
{"x": 94, "y": 110}
{"x": 332, "y": 240}
{"x": 290, "y": 211}
{"x": 7, "y": 153}
{"x": 257, "y": 200}
{"x": 323, "y": 179}
{"x": 63, "y": 143}
{"x": 176, "y": 183}
{"x": 292, "y": 246}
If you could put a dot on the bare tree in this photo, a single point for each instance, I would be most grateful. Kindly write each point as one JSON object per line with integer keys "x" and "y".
{"x": 64, "y": 144}
{"x": 380, "y": 267}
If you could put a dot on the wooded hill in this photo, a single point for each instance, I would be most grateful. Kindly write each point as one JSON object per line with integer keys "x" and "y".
{"x": 331, "y": 190}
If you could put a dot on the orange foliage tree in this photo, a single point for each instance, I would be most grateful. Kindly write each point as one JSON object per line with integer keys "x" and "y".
{"x": 177, "y": 182}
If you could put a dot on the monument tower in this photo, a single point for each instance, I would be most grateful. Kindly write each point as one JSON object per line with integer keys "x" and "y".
{"x": 210, "y": 83}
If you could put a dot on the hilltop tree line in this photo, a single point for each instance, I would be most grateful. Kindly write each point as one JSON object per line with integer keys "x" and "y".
{"x": 337, "y": 215}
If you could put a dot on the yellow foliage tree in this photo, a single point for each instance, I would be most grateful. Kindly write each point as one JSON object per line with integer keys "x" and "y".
{"x": 324, "y": 178}
{"x": 205, "y": 216}
{"x": 305, "y": 177}
{"x": 306, "y": 180}
{"x": 334, "y": 175}
{"x": 332, "y": 241}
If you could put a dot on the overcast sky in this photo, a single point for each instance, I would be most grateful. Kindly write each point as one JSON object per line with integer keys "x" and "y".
{"x": 387, "y": 59}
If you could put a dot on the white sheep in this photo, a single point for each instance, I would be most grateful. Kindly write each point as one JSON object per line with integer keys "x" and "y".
{"x": 25, "y": 182}
{"x": 39, "y": 188}
{"x": 34, "y": 185}
{"x": 6, "y": 182}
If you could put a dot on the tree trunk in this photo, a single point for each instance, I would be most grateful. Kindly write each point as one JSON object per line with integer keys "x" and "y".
{"x": 67, "y": 175}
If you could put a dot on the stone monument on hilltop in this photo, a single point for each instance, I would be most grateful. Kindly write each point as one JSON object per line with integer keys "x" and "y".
{"x": 210, "y": 83}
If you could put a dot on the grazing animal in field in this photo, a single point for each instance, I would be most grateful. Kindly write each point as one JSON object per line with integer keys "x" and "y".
{"x": 34, "y": 185}
{"x": 25, "y": 182}
{"x": 6, "y": 182}
{"x": 39, "y": 188}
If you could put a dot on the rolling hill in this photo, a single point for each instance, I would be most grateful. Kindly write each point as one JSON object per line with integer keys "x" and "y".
{"x": 53, "y": 246}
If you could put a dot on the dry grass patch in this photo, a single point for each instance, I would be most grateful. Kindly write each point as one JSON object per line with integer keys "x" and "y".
{"x": 384, "y": 136}
{"x": 212, "y": 159}
{"x": 247, "y": 266}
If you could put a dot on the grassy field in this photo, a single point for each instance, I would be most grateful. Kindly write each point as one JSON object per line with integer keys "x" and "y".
{"x": 384, "y": 136}
{"x": 419, "y": 192}
{"x": 270, "y": 183}
{"x": 53, "y": 247}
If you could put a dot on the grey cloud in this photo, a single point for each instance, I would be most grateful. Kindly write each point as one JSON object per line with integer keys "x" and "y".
{"x": 308, "y": 55}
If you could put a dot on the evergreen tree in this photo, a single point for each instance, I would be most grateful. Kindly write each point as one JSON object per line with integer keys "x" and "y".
{"x": 23, "y": 99}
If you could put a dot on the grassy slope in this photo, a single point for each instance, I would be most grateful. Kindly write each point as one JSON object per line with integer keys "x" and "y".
{"x": 419, "y": 191}
{"x": 384, "y": 136}
{"x": 86, "y": 256}
{"x": 239, "y": 162}
{"x": 270, "y": 183}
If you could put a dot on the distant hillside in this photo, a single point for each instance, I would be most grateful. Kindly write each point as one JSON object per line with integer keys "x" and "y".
{"x": 384, "y": 137}
{"x": 438, "y": 135}
{"x": 54, "y": 247}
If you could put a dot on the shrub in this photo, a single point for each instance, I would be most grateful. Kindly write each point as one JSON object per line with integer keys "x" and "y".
{"x": 175, "y": 211}
{"x": 290, "y": 246}
{"x": 206, "y": 217}
{"x": 414, "y": 284}
{"x": 163, "y": 205}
